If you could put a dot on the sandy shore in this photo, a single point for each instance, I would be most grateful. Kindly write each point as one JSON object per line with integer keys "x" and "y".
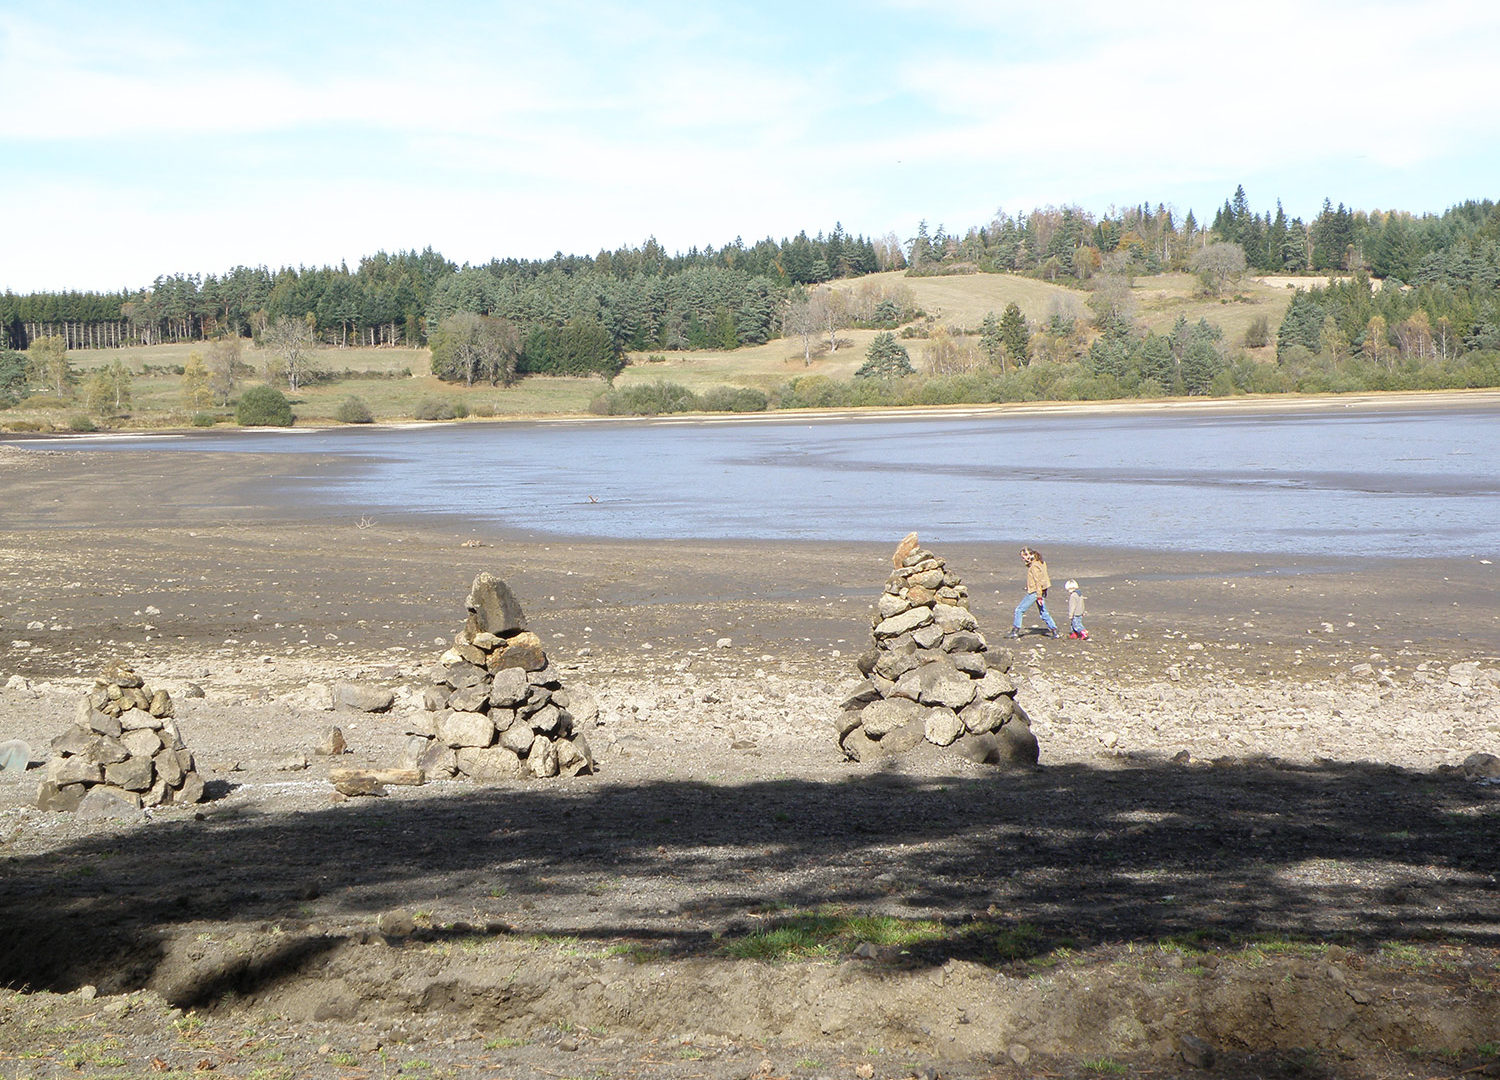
{"x": 1217, "y": 691}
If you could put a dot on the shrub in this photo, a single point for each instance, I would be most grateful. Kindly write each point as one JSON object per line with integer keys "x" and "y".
{"x": 353, "y": 410}
{"x": 205, "y": 419}
{"x": 80, "y": 422}
{"x": 264, "y": 406}
{"x": 735, "y": 399}
{"x": 645, "y": 399}
{"x": 430, "y": 408}
{"x": 1258, "y": 333}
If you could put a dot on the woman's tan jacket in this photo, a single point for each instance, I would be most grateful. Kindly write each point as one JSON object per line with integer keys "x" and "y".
{"x": 1037, "y": 580}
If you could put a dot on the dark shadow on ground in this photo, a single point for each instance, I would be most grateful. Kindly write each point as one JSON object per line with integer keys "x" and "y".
{"x": 1355, "y": 853}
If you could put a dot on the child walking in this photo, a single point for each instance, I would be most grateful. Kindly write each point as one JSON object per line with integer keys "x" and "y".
{"x": 1075, "y": 610}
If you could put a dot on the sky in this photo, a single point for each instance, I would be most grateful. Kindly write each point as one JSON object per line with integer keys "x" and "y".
{"x": 142, "y": 139}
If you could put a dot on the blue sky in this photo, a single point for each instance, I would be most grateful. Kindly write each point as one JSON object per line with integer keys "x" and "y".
{"x": 143, "y": 139}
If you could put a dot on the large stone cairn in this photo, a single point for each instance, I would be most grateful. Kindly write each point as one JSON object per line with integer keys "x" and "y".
{"x": 496, "y": 708}
{"x": 124, "y": 746}
{"x": 930, "y": 678}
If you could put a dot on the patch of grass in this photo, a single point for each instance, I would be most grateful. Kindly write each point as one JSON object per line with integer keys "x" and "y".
{"x": 344, "y": 1058}
{"x": 830, "y": 932}
{"x": 689, "y": 1053}
{"x": 1104, "y": 1065}
{"x": 504, "y": 1042}
{"x": 808, "y": 1064}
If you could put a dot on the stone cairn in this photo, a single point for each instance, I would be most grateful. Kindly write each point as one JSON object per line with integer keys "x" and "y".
{"x": 930, "y": 678}
{"x": 124, "y": 747}
{"x": 496, "y": 708}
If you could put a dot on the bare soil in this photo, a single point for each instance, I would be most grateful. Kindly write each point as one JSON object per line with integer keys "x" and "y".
{"x": 1239, "y": 833}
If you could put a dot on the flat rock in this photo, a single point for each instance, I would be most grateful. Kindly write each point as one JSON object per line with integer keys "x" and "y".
{"x": 374, "y": 699}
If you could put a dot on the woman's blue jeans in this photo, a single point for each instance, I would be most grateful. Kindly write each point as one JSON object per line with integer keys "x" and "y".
{"x": 1041, "y": 606}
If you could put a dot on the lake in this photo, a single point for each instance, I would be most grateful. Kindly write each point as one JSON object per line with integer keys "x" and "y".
{"x": 1401, "y": 481}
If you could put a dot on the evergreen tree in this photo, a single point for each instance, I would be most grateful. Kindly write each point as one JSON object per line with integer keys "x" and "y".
{"x": 886, "y": 358}
{"x": 1015, "y": 335}
{"x": 991, "y": 341}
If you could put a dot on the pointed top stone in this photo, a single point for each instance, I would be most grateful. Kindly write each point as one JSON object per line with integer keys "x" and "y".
{"x": 906, "y": 547}
{"x": 494, "y": 607}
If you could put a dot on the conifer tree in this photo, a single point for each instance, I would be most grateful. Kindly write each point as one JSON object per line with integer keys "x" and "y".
{"x": 886, "y": 358}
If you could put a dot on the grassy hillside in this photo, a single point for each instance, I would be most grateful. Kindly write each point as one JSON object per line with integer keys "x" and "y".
{"x": 394, "y": 382}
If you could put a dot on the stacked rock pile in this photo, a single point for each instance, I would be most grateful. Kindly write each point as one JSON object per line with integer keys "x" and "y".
{"x": 496, "y": 708}
{"x": 124, "y": 747}
{"x": 930, "y": 676}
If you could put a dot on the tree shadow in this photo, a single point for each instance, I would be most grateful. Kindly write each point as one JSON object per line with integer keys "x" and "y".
{"x": 1144, "y": 852}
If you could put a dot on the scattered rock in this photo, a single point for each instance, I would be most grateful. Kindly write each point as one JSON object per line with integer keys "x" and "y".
{"x": 332, "y": 745}
{"x": 371, "y": 699}
{"x": 1199, "y": 1053}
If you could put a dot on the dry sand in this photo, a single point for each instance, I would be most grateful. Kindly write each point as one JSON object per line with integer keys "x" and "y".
{"x": 1246, "y": 751}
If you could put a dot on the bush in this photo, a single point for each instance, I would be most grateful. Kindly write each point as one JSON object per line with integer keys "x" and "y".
{"x": 431, "y": 408}
{"x": 264, "y": 406}
{"x": 205, "y": 419}
{"x": 1258, "y": 333}
{"x": 81, "y": 423}
{"x": 353, "y": 410}
{"x": 646, "y": 399}
{"x": 735, "y": 399}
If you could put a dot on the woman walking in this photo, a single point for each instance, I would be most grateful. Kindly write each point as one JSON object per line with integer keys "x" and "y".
{"x": 1037, "y": 584}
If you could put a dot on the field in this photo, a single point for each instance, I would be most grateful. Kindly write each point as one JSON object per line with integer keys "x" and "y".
{"x": 394, "y": 382}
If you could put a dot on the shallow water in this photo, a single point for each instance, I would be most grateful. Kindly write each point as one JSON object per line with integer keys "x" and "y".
{"x": 1393, "y": 481}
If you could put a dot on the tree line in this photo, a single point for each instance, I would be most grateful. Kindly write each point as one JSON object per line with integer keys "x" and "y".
{"x": 643, "y": 295}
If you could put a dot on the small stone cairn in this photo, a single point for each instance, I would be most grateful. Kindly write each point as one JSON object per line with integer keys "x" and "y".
{"x": 124, "y": 747}
{"x": 496, "y": 708}
{"x": 930, "y": 679}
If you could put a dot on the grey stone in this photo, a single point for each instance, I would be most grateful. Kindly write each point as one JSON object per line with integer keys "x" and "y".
{"x": 168, "y": 768}
{"x": 904, "y": 738}
{"x": 142, "y": 742}
{"x": 890, "y": 604}
{"x": 547, "y": 676}
{"x": 970, "y": 663}
{"x": 76, "y": 740}
{"x": 103, "y": 750}
{"x": 493, "y": 606}
{"x": 1481, "y": 766}
{"x": 464, "y": 674}
{"x": 518, "y": 737}
{"x": 372, "y": 699}
{"x": 133, "y": 774}
{"x": 903, "y": 623}
{"x": 435, "y": 697}
{"x": 412, "y": 750}
{"x": 857, "y": 746}
{"x": 438, "y": 759}
{"x": 510, "y": 688}
{"x": 981, "y": 716}
{"x": 926, "y": 579}
{"x": 502, "y": 718}
{"x": 489, "y": 764}
{"x": 466, "y": 729}
{"x": 964, "y": 641}
{"x": 995, "y": 683}
{"x": 880, "y": 718}
{"x": 846, "y": 720}
{"x": 136, "y": 720}
{"x": 575, "y": 756}
{"x": 59, "y": 798}
{"x": 1017, "y": 744}
{"x": 952, "y": 618}
{"x": 937, "y": 683}
{"x": 104, "y": 723}
{"x": 103, "y": 801}
{"x": 333, "y": 743}
{"x": 75, "y": 769}
{"x": 192, "y": 790}
{"x": 928, "y": 637}
{"x": 942, "y": 726}
{"x": 471, "y": 699}
{"x": 896, "y": 662}
{"x": 546, "y": 720}
{"x": 542, "y": 760}
{"x": 171, "y": 736}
